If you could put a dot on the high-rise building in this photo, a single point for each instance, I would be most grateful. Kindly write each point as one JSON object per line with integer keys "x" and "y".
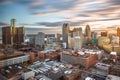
{"x": 6, "y": 35}
{"x": 94, "y": 40}
{"x": 12, "y": 34}
{"x": 40, "y": 39}
{"x": 31, "y": 39}
{"x": 75, "y": 39}
{"x": 20, "y": 35}
{"x": 72, "y": 38}
{"x": 115, "y": 40}
{"x": 78, "y": 38}
{"x": 88, "y": 33}
{"x": 13, "y": 25}
{"x": 94, "y": 34}
{"x": 118, "y": 33}
{"x": 65, "y": 31}
{"x": 58, "y": 37}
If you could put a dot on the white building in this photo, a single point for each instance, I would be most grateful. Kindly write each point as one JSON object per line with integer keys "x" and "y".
{"x": 115, "y": 39}
{"x": 27, "y": 74}
{"x": 75, "y": 39}
{"x": 78, "y": 43}
{"x": 112, "y": 77}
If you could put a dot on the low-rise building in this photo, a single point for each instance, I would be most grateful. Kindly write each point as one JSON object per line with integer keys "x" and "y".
{"x": 84, "y": 59}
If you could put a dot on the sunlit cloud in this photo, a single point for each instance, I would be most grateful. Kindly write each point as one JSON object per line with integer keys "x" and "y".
{"x": 96, "y": 13}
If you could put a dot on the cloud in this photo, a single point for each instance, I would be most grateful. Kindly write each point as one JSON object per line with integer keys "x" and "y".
{"x": 4, "y": 2}
{"x": 3, "y": 24}
{"x": 48, "y": 31}
{"x": 60, "y": 23}
{"x": 75, "y": 12}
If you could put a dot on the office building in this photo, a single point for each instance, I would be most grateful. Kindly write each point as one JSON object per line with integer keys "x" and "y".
{"x": 94, "y": 34}
{"x": 65, "y": 31}
{"x": 94, "y": 38}
{"x": 50, "y": 38}
{"x": 58, "y": 36}
{"x": 76, "y": 38}
{"x": 31, "y": 39}
{"x": 12, "y": 35}
{"x": 40, "y": 39}
{"x": 88, "y": 34}
{"x": 115, "y": 40}
{"x": 118, "y": 33}
{"x": 6, "y": 35}
{"x": 19, "y": 36}
{"x": 72, "y": 38}
{"x": 103, "y": 41}
{"x": 104, "y": 33}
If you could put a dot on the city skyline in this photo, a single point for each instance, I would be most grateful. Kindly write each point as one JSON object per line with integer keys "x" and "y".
{"x": 49, "y": 15}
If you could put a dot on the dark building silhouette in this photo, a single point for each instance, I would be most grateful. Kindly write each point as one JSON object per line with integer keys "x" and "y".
{"x": 12, "y": 34}
{"x": 65, "y": 31}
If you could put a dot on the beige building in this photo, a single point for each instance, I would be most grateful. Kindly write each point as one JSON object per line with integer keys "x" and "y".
{"x": 75, "y": 39}
{"x": 103, "y": 41}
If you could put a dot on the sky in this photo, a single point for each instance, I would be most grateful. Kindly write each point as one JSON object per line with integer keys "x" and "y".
{"x": 49, "y": 15}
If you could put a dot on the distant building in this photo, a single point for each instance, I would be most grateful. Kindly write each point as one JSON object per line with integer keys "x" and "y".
{"x": 7, "y": 35}
{"x": 88, "y": 34}
{"x": 31, "y": 39}
{"x": 19, "y": 36}
{"x": 36, "y": 40}
{"x": 115, "y": 39}
{"x": 12, "y": 35}
{"x": 103, "y": 41}
{"x": 94, "y": 34}
{"x": 58, "y": 36}
{"x": 40, "y": 39}
{"x": 72, "y": 38}
{"x": 94, "y": 38}
{"x": 75, "y": 39}
{"x": 50, "y": 38}
{"x": 105, "y": 33}
{"x": 118, "y": 33}
{"x": 78, "y": 43}
{"x": 65, "y": 31}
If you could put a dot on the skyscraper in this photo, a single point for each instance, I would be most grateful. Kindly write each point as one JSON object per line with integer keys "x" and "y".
{"x": 12, "y": 34}
{"x": 88, "y": 33}
{"x": 65, "y": 31}
{"x": 118, "y": 33}
{"x": 78, "y": 38}
{"x": 39, "y": 40}
{"x": 6, "y": 35}
{"x": 20, "y": 32}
